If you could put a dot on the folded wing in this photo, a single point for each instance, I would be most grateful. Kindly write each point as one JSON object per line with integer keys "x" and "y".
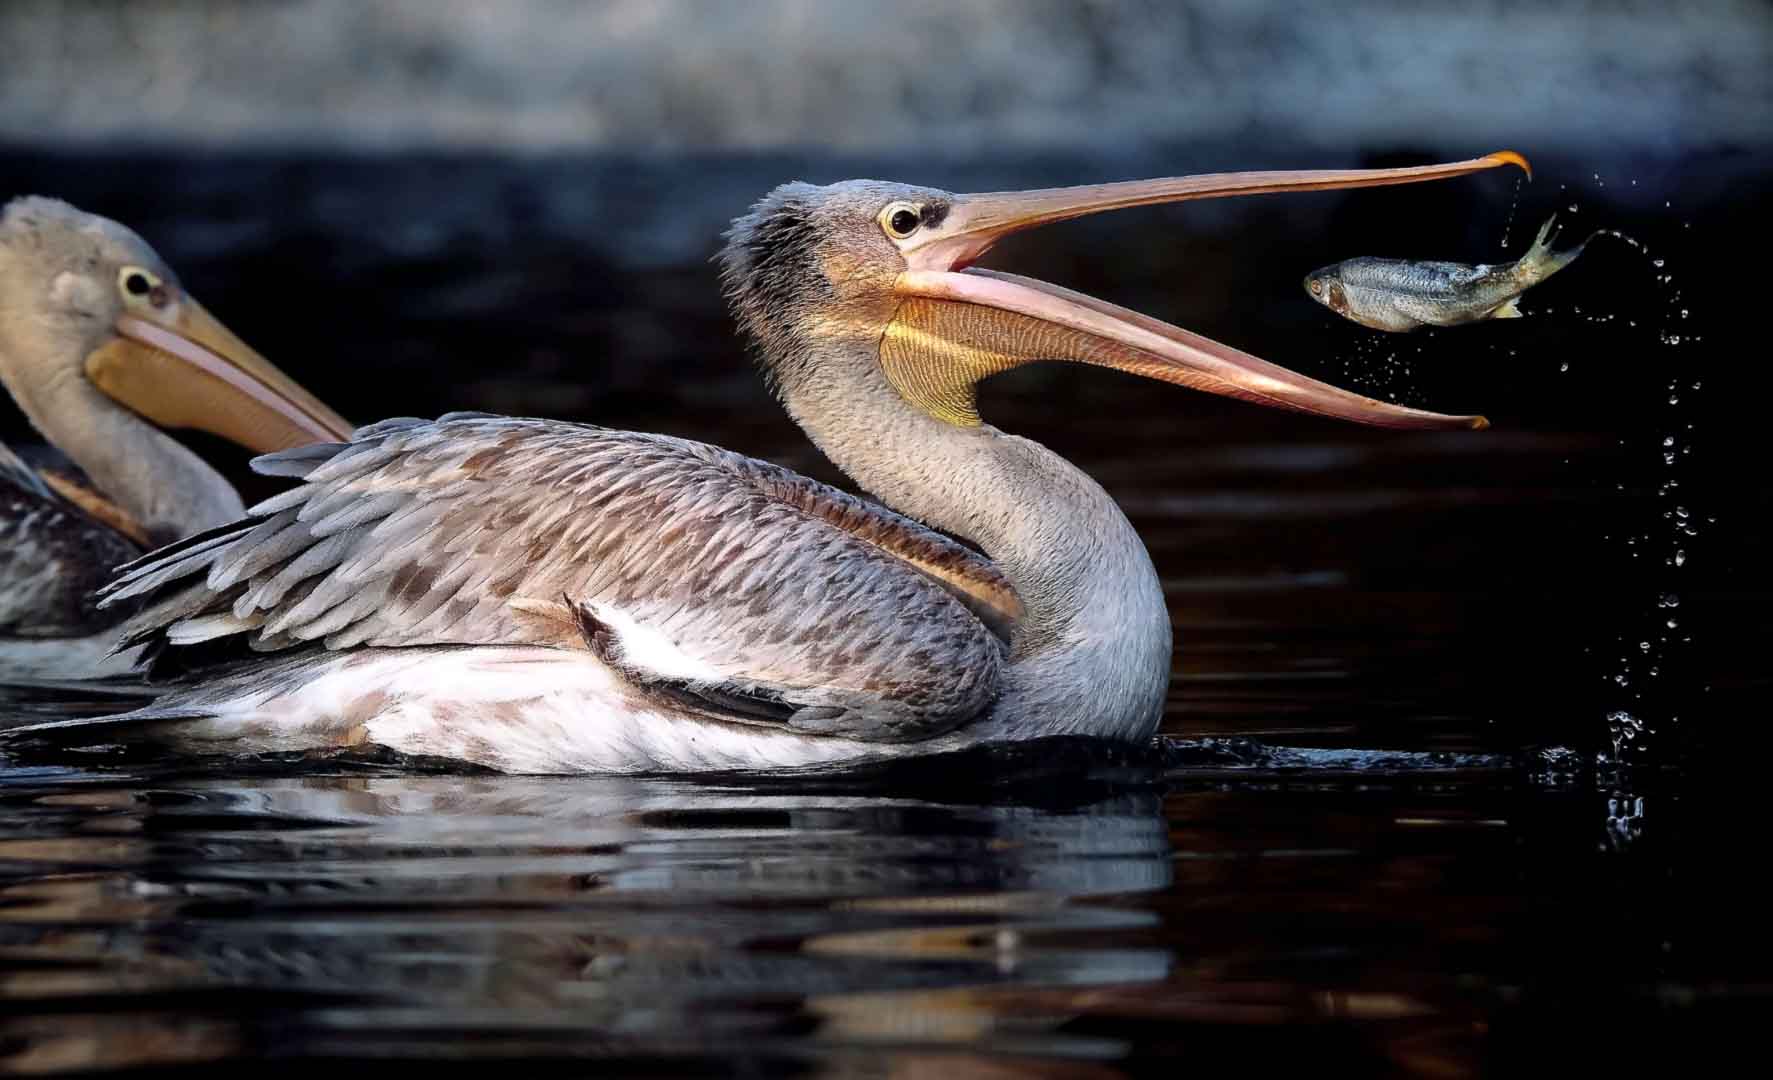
{"x": 735, "y": 587}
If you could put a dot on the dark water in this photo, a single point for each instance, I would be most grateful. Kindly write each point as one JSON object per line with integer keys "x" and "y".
{"x": 1442, "y": 800}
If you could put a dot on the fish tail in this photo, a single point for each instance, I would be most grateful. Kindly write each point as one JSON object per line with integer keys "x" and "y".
{"x": 1540, "y": 261}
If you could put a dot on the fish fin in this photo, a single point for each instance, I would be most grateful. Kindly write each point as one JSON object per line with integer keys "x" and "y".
{"x": 1540, "y": 261}
{"x": 1542, "y": 242}
{"x": 1510, "y": 310}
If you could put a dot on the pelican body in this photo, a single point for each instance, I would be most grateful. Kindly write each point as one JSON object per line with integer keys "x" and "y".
{"x": 101, "y": 347}
{"x": 540, "y": 596}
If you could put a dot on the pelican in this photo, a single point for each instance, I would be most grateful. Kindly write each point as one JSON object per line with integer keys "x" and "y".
{"x": 541, "y": 596}
{"x": 99, "y": 344}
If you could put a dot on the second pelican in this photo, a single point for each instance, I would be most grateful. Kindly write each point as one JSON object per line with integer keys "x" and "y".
{"x": 101, "y": 347}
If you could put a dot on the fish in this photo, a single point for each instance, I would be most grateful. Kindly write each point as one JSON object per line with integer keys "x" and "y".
{"x": 1400, "y": 295}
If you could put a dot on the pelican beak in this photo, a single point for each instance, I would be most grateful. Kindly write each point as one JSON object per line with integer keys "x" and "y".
{"x": 185, "y": 369}
{"x": 955, "y": 326}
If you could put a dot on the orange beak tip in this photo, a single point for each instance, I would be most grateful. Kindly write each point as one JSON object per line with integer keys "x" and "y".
{"x": 1509, "y": 157}
{"x": 1479, "y": 423}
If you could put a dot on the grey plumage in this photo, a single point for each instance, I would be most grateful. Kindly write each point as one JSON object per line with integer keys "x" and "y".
{"x": 471, "y": 530}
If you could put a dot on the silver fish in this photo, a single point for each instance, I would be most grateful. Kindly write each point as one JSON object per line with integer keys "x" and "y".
{"x": 1396, "y": 294}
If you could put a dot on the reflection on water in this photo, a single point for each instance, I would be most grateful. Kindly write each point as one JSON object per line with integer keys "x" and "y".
{"x": 1398, "y": 919}
{"x": 384, "y": 913}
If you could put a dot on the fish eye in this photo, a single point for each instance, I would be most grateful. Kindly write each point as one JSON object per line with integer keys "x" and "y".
{"x": 899, "y": 220}
{"x": 141, "y": 287}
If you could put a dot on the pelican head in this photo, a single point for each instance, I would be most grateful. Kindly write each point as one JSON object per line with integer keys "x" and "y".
{"x": 878, "y": 276}
{"x": 84, "y": 299}
{"x": 100, "y": 345}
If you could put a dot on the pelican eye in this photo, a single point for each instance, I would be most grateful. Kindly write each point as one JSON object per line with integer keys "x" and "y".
{"x": 900, "y": 220}
{"x": 142, "y": 287}
{"x": 1317, "y": 288}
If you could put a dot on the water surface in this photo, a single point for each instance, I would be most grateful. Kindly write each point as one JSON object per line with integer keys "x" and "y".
{"x": 1408, "y": 916}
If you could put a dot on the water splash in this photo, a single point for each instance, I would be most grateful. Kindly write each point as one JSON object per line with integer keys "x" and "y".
{"x": 1625, "y": 821}
{"x": 1645, "y": 652}
{"x": 1626, "y": 732}
{"x": 1514, "y": 203}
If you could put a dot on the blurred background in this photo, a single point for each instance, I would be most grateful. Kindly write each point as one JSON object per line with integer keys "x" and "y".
{"x": 921, "y": 74}
{"x": 422, "y": 206}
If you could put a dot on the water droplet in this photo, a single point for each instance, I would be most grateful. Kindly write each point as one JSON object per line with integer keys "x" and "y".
{"x": 1673, "y": 400}
{"x": 1644, "y": 645}
{"x": 1672, "y": 624}
{"x": 1670, "y": 600}
{"x": 1657, "y": 263}
{"x": 1565, "y": 366}
{"x": 1683, "y": 313}
{"x": 1572, "y": 208}
{"x": 1668, "y": 440}
{"x": 1680, "y": 557}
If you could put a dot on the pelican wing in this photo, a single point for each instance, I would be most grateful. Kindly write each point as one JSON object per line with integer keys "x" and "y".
{"x": 738, "y": 587}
